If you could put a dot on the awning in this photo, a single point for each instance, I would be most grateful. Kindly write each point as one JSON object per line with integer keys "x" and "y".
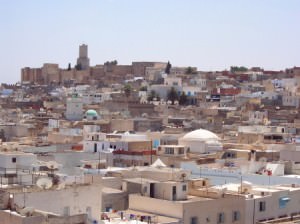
{"x": 286, "y": 199}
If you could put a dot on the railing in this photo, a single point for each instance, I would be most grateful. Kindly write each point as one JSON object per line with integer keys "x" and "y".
{"x": 9, "y": 171}
{"x": 16, "y": 175}
{"x": 294, "y": 218}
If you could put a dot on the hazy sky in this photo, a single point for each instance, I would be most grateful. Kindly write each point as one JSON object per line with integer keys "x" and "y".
{"x": 209, "y": 34}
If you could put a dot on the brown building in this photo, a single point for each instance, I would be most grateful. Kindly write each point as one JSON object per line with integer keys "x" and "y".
{"x": 108, "y": 73}
{"x": 32, "y": 75}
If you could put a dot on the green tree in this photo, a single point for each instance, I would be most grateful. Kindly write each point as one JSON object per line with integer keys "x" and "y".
{"x": 183, "y": 99}
{"x": 78, "y": 67}
{"x": 151, "y": 95}
{"x": 114, "y": 62}
{"x": 234, "y": 69}
{"x": 173, "y": 95}
{"x": 127, "y": 90}
{"x": 190, "y": 70}
{"x": 168, "y": 68}
{"x": 143, "y": 88}
{"x": 157, "y": 97}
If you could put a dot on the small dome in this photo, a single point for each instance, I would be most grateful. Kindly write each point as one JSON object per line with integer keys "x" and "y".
{"x": 200, "y": 134}
{"x": 92, "y": 113}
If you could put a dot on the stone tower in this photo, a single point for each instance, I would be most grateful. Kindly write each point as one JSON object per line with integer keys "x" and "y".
{"x": 74, "y": 107}
{"x": 83, "y": 62}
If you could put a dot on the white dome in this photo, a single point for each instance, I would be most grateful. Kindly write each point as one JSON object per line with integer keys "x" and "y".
{"x": 200, "y": 135}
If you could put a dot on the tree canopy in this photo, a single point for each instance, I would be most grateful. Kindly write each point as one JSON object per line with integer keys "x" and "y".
{"x": 114, "y": 62}
{"x": 127, "y": 90}
{"x": 234, "y": 69}
{"x": 78, "y": 67}
{"x": 173, "y": 95}
{"x": 168, "y": 68}
{"x": 143, "y": 88}
{"x": 183, "y": 99}
{"x": 152, "y": 95}
{"x": 190, "y": 70}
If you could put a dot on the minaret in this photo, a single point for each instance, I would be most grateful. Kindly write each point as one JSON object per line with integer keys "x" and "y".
{"x": 83, "y": 62}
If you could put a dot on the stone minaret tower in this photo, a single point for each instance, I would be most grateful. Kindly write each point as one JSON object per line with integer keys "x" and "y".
{"x": 83, "y": 61}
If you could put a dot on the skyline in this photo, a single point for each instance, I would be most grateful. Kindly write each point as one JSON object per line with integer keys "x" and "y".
{"x": 211, "y": 35}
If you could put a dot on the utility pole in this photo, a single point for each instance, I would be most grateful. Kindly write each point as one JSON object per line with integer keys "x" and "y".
{"x": 241, "y": 184}
{"x": 99, "y": 162}
{"x": 151, "y": 153}
{"x": 200, "y": 171}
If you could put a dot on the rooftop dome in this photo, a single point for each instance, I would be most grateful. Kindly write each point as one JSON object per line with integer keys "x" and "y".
{"x": 200, "y": 134}
{"x": 91, "y": 113}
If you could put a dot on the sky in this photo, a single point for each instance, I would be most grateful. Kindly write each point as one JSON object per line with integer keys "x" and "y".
{"x": 209, "y": 34}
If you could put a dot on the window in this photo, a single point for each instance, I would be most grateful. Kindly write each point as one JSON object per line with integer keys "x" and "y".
{"x": 145, "y": 189}
{"x": 262, "y": 206}
{"x": 283, "y": 201}
{"x": 88, "y": 210}
{"x": 14, "y": 159}
{"x": 169, "y": 150}
{"x": 183, "y": 187}
{"x": 108, "y": 208}
{"x": 236, "y": 216}
{"x": 66, "y": 211}
{"x": 181, "y": 151}
{"x": 221, "y": 217}
{"x": 194, "y": 220}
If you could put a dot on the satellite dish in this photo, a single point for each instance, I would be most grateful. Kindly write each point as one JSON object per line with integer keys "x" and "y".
{"x": 27, "y": 211}
{"x": 263, "y": 159}
{"x": 44, "y": 183}
{"x": 52, "y": 165}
